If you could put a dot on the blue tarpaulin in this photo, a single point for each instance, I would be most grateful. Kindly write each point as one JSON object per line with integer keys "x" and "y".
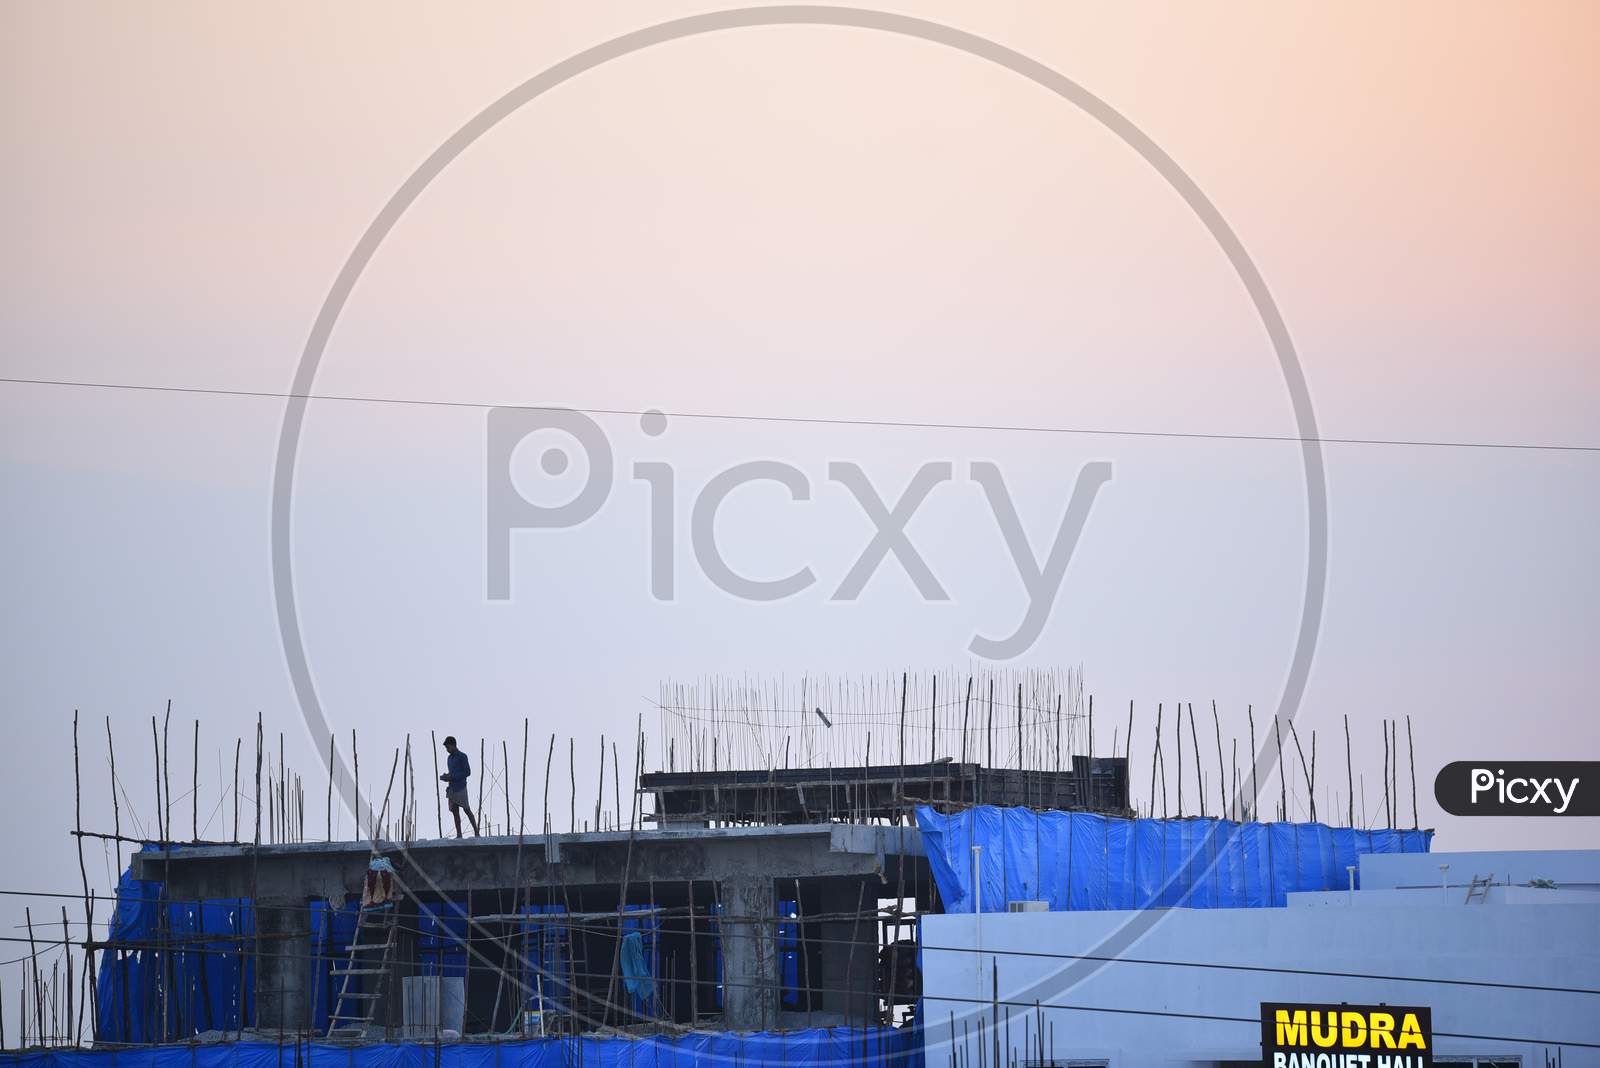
{"x": 1079, "y": 860}
{"x": 813, "y": 1048}
{"x": 209, "y": 964}
{"x": 205, "y": 960}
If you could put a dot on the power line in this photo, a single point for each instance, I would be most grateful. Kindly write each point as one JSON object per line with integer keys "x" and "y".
{"x": 977, "y": 1001}
{"x": 565, "y": 920}
{"x": 817, "y": 420}
{"x": 957, "y": 999}
{"x": 1270, "y": 969}
{"x": 1254, "y": 1021}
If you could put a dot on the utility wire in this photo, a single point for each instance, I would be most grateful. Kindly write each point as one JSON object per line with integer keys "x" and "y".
{"x": 984, "y": 1002}
{"x": 732, "y": 924}
{"x": 815, "y": 420}
{"x": 763, "y": 984}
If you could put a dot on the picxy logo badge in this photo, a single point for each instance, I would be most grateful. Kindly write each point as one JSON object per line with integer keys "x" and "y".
{"x": 1519, "y": 788}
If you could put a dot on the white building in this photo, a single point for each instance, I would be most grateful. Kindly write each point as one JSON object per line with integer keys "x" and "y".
{"x": 1512, "y": 976}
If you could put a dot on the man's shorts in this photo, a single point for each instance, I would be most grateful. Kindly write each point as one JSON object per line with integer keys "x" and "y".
{"x": 457, "y": 799}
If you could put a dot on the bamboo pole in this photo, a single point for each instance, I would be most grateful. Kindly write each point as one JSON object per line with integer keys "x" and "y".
{"x": 66, "y": 951}
{"x": 194, "y": 785}
{"x": 331, "y": 763}
{"x": 1349, "y": 774}
{"x": 116, "y": 807}
{"x": 1255, "y": 762}
{"x": 1178, "y": 724}
{"x": 238, "y": 744}
{"x": 405, "y": 783}
{"x": 33, "y": 957}
{"x": 1294, "y": 735}
{"x": 438, "y": 806}
{"x": 1313, "y": 776}
{"x": 166, "y": 772}
{"x": 1411, "y": 754}
{"x": 1387, "y": 815}
{"x": 1155, "y": 751}
{"x": 1283, "y": 782}
{"x": 549, "y": 757}
{"x": 155, "y": 743}
{"x": 83, "y": 871}
{"x": 383, "y": 820}
{"x": 1199, "y": 782}
{"x": 1222, "y": 781}
{"x": 1394, "y": 768}
{"x": 600, "y": 791}
{"x": 1238, "y": 813}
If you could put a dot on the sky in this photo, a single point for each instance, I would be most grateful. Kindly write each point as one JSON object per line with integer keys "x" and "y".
{"x": 795, "y": 223}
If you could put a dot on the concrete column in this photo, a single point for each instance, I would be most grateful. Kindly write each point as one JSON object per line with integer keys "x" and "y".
{"x": 749, "y": 954}
{"x": 849, "y": 979}
{"x": 283, "y": 965}
{"x": 390, "y": 1010}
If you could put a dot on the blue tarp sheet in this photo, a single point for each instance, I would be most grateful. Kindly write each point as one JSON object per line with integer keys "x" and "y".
{"x": 1079, "y": 860}
{"x": 202, "y": 990}
{"x": 209, "y": 982}
{"x": 813, "y": 1048}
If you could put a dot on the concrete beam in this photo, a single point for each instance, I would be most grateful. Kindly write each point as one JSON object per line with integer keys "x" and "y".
{"x": 335, "y": 870}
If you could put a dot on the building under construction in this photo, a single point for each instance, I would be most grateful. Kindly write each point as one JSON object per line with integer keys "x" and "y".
{"x": 759, "y": 880}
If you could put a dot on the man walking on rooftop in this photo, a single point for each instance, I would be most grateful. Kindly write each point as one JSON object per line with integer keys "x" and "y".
{"x": 460, "y": 769}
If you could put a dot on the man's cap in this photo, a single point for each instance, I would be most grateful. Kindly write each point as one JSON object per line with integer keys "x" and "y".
{"x": 449, "y": 739}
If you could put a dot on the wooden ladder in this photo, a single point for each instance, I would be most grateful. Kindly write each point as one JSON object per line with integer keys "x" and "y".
{"x": 370, "y": 950}
{"x": 1479, "y": 890}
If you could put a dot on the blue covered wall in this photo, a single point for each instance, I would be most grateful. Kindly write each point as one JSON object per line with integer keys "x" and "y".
{"x": 832, "y": 1047}
{"x": 1079, "y": 860}
{"x": 203, "y": 982}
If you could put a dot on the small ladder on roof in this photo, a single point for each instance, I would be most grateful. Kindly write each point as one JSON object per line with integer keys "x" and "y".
{"x": 370, "y": 950}
{"x": 1479, "y": 890}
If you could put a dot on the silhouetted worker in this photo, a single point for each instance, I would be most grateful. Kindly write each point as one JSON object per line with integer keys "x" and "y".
{"x": 460, "y": 770}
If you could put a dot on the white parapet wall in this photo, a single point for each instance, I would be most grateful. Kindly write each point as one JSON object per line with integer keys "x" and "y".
{"x": 1150, "y": 1006}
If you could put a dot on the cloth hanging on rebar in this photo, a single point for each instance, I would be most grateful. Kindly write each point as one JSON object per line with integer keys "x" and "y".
{"x": 1079, "y": 860}
{"x": 635, "y": 972}
{"x": 378, "y": 889}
